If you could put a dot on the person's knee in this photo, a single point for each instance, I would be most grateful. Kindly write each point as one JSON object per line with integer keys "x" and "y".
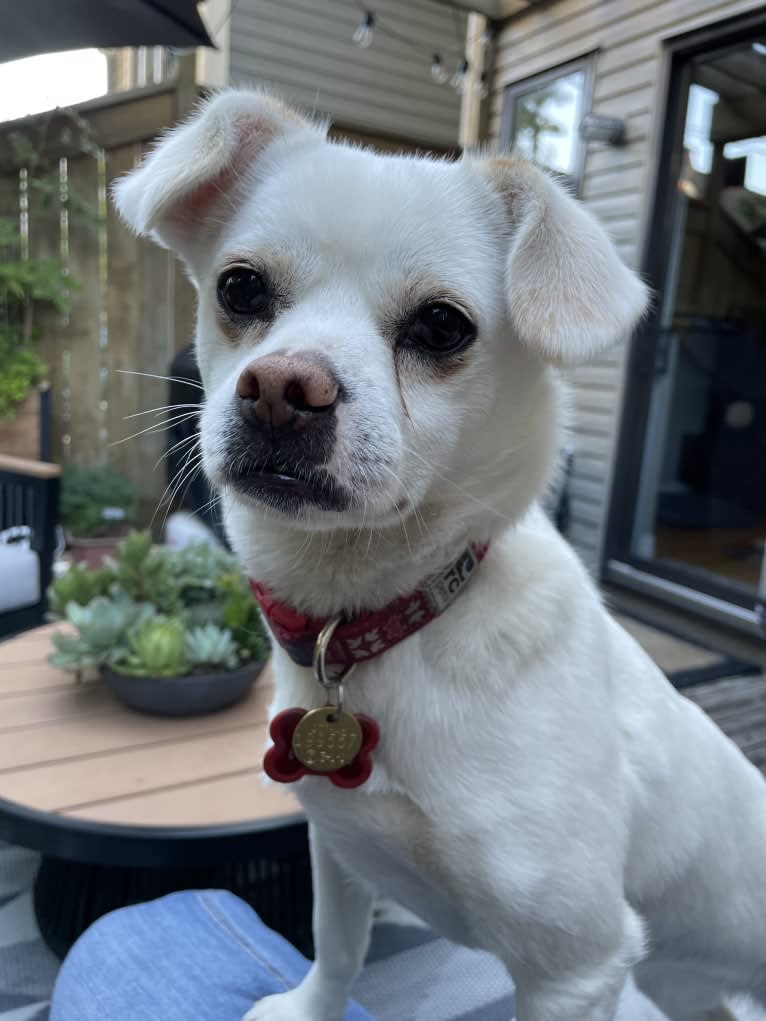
{"x": 104, "y": 961}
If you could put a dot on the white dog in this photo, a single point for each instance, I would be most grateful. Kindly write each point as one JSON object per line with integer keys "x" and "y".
{"x": 378, "y": 339}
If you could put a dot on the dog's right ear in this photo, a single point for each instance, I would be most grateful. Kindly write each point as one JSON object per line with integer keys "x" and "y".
{"x": 189, "y": 180}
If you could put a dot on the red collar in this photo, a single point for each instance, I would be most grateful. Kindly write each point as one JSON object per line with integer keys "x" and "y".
{"x": 369, "y": 634}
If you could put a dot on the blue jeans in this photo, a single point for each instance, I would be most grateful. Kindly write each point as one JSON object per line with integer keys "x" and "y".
{"x": 193, "y": 956}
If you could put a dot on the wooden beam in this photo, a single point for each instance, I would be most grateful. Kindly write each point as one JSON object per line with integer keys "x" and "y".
{"x": 23, "y": 466}
{"x": 109, "y": 121}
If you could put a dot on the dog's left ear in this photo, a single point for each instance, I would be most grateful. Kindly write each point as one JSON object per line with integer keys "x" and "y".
{"x": 188, "y": 184}
{"x": 569, "y": 293}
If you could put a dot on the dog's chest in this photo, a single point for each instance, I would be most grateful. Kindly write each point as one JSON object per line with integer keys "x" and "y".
{"x": 390, "y": 831}
{"x": 387, "y": 840}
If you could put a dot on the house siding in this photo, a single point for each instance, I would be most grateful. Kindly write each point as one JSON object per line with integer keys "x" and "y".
{"x": 304, "y": 50}
{"x": 626, "y": 39}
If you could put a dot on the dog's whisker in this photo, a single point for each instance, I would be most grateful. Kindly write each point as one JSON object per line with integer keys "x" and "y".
{"x": 168, "y": 379}
{"x": 162, "y": 408}
{"x": 209, "y": 505}
{"x": 193, "y": 458}
{"x": 169, "y": 492}
{"x": 156, "y": 427}
{"x": 195, "y": 470}
{"x": 460, "y": 489}
{"x": 176, "y": 446}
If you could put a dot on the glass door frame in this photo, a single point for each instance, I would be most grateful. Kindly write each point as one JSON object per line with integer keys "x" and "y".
{"x": 675, "y": 584}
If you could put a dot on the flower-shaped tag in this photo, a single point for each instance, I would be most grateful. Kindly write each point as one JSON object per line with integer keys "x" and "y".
{"x": 283, "y": 765}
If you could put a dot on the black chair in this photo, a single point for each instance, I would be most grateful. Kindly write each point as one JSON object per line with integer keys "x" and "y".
{"x": 29, "y": 505}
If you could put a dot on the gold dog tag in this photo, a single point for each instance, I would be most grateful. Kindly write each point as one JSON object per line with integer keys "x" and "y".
{"x": 326, "y": 740}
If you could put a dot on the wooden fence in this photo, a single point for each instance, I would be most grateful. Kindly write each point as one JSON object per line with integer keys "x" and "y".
{"x": 131, "y": 306}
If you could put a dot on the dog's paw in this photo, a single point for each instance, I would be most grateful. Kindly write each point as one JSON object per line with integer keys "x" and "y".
{"x": 283, "y": 1007}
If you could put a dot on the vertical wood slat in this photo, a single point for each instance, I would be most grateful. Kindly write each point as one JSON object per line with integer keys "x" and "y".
{"x": 151, "y": 306}
{"x": 83, "y": 329}
{"x": 148, "y": 301}
{"x": 155, "y": 347}
{"x": 9, "y": 201}
{"x": 44, "y": 242}
{"x": 123, "y": 311}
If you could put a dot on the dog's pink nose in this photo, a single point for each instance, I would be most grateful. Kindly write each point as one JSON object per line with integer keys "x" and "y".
{"x": 276, "y": 387}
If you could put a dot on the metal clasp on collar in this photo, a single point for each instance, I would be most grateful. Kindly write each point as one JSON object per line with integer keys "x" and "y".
{"x": 333, "y": 685}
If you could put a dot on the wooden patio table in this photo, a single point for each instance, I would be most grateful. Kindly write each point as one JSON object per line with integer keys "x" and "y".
{"x": 125, "y": 806}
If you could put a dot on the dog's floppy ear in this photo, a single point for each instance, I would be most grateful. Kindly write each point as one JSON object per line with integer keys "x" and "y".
{"x": 190, "y": 175}
{"x": 569, "y": 293}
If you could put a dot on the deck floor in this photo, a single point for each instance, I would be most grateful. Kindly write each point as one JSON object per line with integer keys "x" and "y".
{"x": 738, "y": 706}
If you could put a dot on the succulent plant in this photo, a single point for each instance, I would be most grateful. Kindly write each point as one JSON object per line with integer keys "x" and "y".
{"x": 79, "y": 585}
{"x": 73, "y": 654}
{"x": 102, "y": 627}
{"x": 158, "y": 611}
{"x": 157, "y": 648}
{"x": 212, "y": 646}
{"x": 242, "y": 616}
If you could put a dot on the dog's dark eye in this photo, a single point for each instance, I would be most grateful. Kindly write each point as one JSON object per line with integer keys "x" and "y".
{"x": 438, "y": 329}
{"x": 244, "y": 292}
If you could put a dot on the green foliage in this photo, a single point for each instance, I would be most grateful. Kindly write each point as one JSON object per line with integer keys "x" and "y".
{"x": 40, "y": 280}
{"x": 533, "y": 122}
{"x": 30, "y": 286}
{"x": 157, "y": 648}
{"x": 26, "y": 286}
{"x": 78, "y": 585}
{"x": 242, "y": 616}
{"x": 21, "y": 370}
{"x": 212, "y": 646}
{"x": 140, "y": 572}
{"x": 103, "y": 629}
{"x": 158, "y": 612}
{"x": 92, "y": 499}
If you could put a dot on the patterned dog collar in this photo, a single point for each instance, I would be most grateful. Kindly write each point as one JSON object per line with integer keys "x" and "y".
{"x": 369, "y": 634}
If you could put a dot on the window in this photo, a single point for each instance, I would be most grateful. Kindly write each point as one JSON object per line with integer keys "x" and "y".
{"x": 542, "y": 116}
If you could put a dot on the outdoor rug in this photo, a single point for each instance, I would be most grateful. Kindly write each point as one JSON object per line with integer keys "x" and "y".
{"x": 27, "y": 967}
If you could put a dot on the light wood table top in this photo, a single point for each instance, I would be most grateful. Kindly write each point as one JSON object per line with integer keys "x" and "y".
{"x": 74, "y": 752}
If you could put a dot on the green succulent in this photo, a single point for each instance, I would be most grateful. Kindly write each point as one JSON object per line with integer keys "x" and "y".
{"x": 158, "y": 611}
{"x": 74, "y": 655}
{"x": 157, "y": 648}
{"x": 242, "y": 616}
{"x": 102, "y": 630}
{"x": 142, "y": 572}
{"x": 78, "y": 585}
{"x": 201, "y": 614}
{"x": 212, "y": 646}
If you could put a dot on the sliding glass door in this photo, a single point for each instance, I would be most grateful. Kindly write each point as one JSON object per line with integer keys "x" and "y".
{"x": 689, "y": 514}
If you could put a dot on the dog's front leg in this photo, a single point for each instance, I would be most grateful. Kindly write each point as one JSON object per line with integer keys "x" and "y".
{"x": 342, "y": 921}
{"x": 584, "y": 977}
{"x": 593, "y": 997}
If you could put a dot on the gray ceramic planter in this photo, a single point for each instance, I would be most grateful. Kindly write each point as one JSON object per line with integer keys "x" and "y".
{"x": 191, "y": 695}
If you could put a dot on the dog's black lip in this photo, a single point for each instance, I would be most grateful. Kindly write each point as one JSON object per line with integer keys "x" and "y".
{"x": 287, "y": 492}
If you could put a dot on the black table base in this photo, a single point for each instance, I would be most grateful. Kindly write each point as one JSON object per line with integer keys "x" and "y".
{"x": 70, "y": 895}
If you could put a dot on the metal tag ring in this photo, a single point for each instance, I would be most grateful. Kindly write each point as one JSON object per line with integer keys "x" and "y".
{"x": 320, "y": 654}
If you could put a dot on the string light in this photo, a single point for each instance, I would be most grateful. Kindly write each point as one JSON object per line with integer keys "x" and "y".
{"x": 439, "y": 72}
{"x": 457, "y": 81}
{"x": 364, "y": 34}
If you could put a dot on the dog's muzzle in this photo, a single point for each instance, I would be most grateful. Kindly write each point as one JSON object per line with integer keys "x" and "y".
{"x": 286, "y": 421}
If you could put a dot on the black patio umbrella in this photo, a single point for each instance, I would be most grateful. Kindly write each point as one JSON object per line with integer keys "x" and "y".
{"x": 46, "y": 26}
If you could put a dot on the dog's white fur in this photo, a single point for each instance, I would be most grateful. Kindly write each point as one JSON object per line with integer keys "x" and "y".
{"x": 540, "y": 790}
